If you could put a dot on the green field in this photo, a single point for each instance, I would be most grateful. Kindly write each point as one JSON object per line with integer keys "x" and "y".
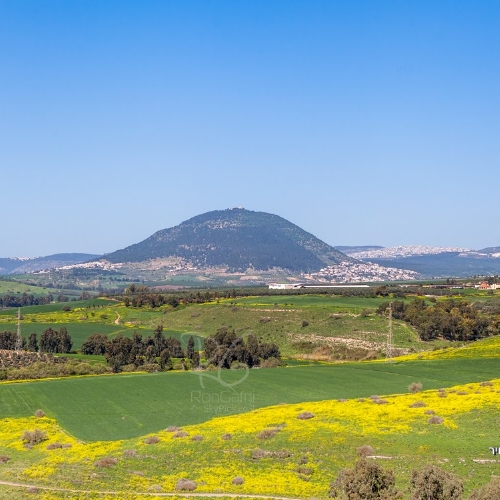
{"x": 121, "y": 406}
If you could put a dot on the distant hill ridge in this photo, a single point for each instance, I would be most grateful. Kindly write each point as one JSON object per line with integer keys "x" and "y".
{"x": 18, "y": 265}
{"x": 239, "y": 239}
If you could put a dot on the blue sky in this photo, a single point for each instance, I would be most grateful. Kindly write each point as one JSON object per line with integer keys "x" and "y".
{"x": 363, "y": 122}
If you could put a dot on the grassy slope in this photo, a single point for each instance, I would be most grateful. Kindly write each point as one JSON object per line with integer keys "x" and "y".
{"x": 299, "y": 461}
{"x": 130, "y": 405}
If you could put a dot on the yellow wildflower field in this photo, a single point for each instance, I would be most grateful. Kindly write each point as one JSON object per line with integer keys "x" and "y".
{"x": 295, "y": 456}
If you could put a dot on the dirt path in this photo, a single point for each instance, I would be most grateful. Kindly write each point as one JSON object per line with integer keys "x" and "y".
{"x": 150, "y": 494}
{"x": 117, "y": 320}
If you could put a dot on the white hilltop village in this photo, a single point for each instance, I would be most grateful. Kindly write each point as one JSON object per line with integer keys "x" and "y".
{"x": 347, "y": 272}
{"x": 405, "y": 251}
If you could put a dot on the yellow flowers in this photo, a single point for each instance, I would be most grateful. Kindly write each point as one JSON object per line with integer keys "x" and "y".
{"x": 299, "y": 459}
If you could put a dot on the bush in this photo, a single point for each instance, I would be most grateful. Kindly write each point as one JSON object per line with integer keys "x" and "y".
{"x": 415, "y": 387}
{"x": 271, "y": 363}
{"x": 32, "y": 438}
{"x": 54, "y": 446}
{"x": 486, "y": 384}
{"x": 152, "y": 440}
{"x": 237, "y": 480}
{"x": 3, "y": 459}
{"x": 267, "y": 433}
{"x": 305, "y": 415}
{"x": 489, "y": 492}
{"x": 367, "y": 481}
{"x": 227, "y": 436}
{"x": 180, "y": 434}
{"x": 39, "y": 414}
{"x": 106, "y": 462}
{"x": 130, "y": 453}
{"x": 365, "y": 451}
{"x": 433, "y": 483}
{"x": 185, "y": 485}
{"x": 173, "y": 428}
{"x": 418, "y": 404}
{"x": 197, "y": 437}
{"x": 435, "y": 420}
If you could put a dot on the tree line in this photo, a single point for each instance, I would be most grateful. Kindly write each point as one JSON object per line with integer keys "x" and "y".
{"x": 156, "y": 353}
{"x": 51, "y": 341}
{"x": 450, "y": 319}
{"x": 141, "y": 352}
{"x": 18, "y": 300}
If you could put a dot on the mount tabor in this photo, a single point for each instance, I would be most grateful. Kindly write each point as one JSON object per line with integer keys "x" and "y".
{"x": 237, "y": 239}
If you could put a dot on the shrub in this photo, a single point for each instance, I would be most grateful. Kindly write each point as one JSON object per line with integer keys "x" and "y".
{"x": 305, "y": 415}
{"x": 180, "y": 434}
{"x": 106, "y": 462}
{"x": 305, "y": 323}
{"x": 380, "y": 401}
{"x": 267, "y": 433}
{"x": 491, "y": 491}
{"x": 429, "y": 412}
{"x": 305, "y": 471}
{"x": 365, "y": 451}
{"x": 130, "y": 453}
{"x": 185, "y": 485}
{"x": 435, "y": 420}
{"x": 198, "y": 437}
{"x": 152, "y": 440}
{"x": 237, "y": 365}
{"x": 54, "y": 446}
{"x": 3, "y": 459}
{"x": 39, "y": 414}
{"x": 486, "y": 384}
{"x": 366, "y": 480}
{"x": 271, "y": 363}
{"x": 433, "y": 483}
{"x": 418, "y": 404}
{"x": 173, "y": 428}
{"x": 415, "y": 387}
{"x": 227, "y": 436}
{"x": 32, "y": 438}
{"x": 237, "y": 480}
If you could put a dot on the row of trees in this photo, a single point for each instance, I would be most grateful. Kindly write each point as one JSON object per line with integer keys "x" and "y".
{"x": 221, "y": 350}
{"x": 18, "y": 300}
{"x": 156, "y": 349}
{"x": 51, "y": 341}
{"x": 450, "y": 319}
{"x": 225, "y": 348}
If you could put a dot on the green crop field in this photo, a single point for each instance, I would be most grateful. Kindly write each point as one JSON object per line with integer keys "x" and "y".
{"x": 121, "y": 406}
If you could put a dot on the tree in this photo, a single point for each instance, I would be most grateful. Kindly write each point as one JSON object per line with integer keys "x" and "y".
{"x": 433, "y": 483}
{"x": 165, "y": 361}
{"x": 491, "y": 491}
{"x": 190, "y": 348}
{"x": 365, "y": 481}
{"x": 65, "y": 342}
{"x": 95, "y": 344}
{"x": 159, "y": 340}
{"x": 49, "y": 341}
{"x": 33, "y": 342}
{"x": 8, "y": 340}
{"x": 253, "y": 350}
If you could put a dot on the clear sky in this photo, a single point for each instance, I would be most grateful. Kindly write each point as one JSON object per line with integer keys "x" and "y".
{"x": 363, "y": 122}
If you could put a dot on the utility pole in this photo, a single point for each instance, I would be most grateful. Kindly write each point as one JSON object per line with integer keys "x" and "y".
{"x": 19, "y": 339}
{"x": 389, "y": 336}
